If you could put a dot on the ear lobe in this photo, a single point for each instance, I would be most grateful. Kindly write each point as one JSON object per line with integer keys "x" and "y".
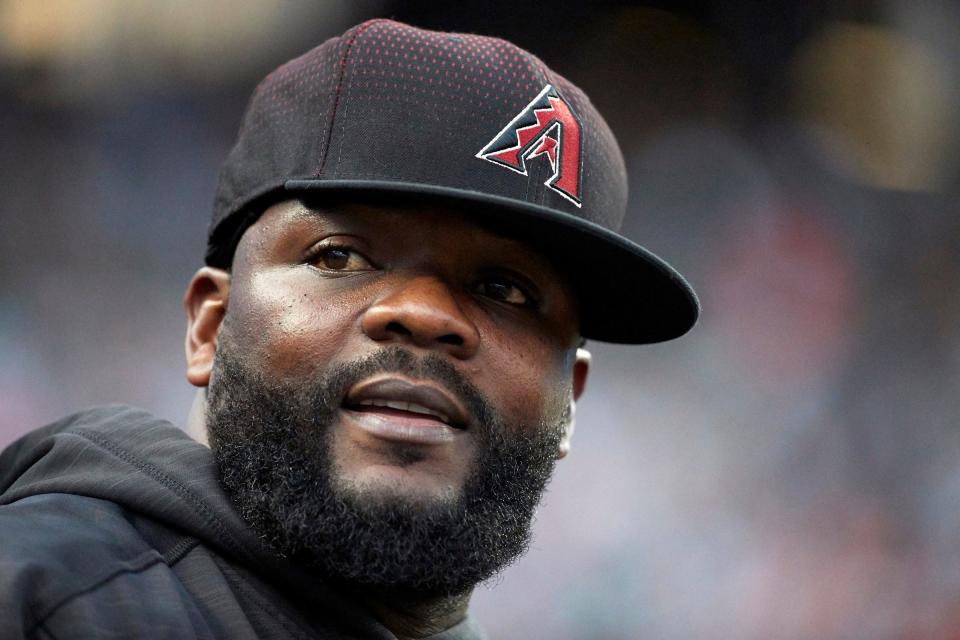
{"x": 581, "y": 368}
{"x": 205, "y": 303}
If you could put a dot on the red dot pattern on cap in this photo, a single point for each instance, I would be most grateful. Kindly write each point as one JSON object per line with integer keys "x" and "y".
{"x": 429, "y": 70}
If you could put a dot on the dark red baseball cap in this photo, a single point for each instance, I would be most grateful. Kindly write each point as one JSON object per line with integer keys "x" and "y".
{"x": 389, "y": 110}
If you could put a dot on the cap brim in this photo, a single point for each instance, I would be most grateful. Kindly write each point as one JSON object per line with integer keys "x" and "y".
{"x": 626, "y": 294}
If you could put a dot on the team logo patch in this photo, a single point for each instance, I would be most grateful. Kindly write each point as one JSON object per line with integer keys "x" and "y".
{"x": 546, "y": 127}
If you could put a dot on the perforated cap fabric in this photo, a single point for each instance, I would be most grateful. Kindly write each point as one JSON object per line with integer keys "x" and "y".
{"x": 461, "y": 119}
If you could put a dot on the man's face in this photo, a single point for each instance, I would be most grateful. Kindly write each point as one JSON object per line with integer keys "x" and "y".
{"x": 421, "y": 366}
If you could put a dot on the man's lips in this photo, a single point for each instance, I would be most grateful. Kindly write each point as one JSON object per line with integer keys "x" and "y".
{"x": 397, "y": 396}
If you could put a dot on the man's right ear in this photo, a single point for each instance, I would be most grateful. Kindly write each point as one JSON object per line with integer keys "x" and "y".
{"x": 206, "y": 305}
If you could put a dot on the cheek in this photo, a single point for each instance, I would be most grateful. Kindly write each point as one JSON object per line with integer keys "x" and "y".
{"x": 286, "y": 323}
{"x": 529, "y": 380}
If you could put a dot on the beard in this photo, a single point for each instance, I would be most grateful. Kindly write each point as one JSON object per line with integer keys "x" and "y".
{"x": 273, "y": 446}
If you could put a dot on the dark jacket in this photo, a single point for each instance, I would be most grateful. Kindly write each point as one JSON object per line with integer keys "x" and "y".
{"x": 113, "y": 525}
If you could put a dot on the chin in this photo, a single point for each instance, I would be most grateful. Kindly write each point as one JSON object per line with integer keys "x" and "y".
{"x": 391, "y": 483}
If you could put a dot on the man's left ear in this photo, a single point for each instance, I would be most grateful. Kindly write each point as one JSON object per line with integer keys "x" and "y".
{"x": 581, "y": 367}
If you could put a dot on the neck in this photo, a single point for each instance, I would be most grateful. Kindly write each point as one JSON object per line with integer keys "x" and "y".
{"x": 197, "y": 419}
{"x": 411, "y": 616}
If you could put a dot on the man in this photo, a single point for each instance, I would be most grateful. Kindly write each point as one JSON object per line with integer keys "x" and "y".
{"x": 410, "y": 240}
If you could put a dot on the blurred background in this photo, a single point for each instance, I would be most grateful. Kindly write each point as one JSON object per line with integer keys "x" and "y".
{"x": 789, "y": 470}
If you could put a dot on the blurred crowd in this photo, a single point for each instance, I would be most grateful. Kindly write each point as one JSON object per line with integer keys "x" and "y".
{"x": 789, "y": 470}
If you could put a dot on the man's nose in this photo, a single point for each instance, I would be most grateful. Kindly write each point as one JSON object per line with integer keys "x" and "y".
{"x": 422, "y": 311}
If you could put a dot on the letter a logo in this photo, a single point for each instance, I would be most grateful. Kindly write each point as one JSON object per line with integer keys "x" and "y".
{"x": 547, "y": 126}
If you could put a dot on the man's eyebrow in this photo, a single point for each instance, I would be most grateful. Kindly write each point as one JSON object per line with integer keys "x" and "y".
{"x": 498, "y": 230}
{"x": 311, "y": 209}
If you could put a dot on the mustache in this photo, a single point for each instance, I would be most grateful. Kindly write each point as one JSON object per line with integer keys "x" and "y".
{"x": 326, "y": 396}
{"x": 431, "y": 368}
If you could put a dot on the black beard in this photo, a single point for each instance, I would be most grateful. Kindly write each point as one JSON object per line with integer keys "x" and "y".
{"x": 272, "y": 445}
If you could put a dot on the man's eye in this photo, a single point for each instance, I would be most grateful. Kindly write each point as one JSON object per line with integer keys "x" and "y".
{"x": 342, "y": 259}
{"x": 505, "y": 291}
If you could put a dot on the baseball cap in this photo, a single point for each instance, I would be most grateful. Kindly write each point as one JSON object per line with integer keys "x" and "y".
{"x": 387, "y": 110}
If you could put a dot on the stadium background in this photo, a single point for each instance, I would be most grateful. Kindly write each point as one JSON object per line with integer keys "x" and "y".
{"x": 789, "y": 470}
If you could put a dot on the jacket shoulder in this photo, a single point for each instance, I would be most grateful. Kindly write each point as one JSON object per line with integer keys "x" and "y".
{"x": 60, "y": 549}
{"x": 20, "y": 454}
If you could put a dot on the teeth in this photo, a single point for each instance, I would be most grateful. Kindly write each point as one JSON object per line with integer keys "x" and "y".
{"x": 412, "y": 407}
